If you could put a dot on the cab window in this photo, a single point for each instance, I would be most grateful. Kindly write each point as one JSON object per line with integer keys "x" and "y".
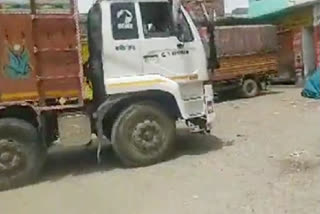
{"x": 186, "y": 30}
{"x": 156, "y": 19}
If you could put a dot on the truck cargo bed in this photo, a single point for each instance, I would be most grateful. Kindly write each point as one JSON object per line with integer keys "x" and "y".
{"x": 243, "y": 40}
{"x": 240, "y": 66}
{"x": 246, "y": 51}
{"x": 40, "y": 58}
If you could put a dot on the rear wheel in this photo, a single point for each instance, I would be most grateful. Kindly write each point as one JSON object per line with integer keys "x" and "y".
{"x": 21, "y": 154}
{"x": 143, "y": 135}
{"x": 250, "y": 88}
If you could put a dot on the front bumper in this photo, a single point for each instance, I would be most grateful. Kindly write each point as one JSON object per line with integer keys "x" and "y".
{"x": 204, "y": 122}
{"x": 209, "y": 106}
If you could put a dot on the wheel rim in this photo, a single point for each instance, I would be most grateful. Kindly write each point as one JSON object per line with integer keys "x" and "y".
{"x": 250, "y": 88}
{"x": 147, "y": 136}
{"x": 12, "y": 160}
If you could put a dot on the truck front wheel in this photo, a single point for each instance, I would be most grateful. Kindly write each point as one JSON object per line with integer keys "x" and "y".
{"x": 143, "y": 135}
{"x": 21, "y": 154}
{"x": 250, "y": 88}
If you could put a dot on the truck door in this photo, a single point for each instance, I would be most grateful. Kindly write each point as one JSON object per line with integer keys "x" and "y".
{"x": 163, "y": 53}
{"x": 121, "y": 47}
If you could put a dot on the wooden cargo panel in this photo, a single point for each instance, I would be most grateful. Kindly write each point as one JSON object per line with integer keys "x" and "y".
{"x": 55, "y": 34}
{"x": 52, "y": 64}
{"x": 66, "y": 88}
{"x": 246, "y": 40}
{"x": 239, "y": 66}
{"x": 18, "y": 78}
{"x": 40, "y": 57}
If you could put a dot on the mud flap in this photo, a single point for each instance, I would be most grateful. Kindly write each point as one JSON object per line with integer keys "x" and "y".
{"x": 99, "y": 115}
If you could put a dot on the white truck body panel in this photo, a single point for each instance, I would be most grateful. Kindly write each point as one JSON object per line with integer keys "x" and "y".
{"x": 190, "y": 100}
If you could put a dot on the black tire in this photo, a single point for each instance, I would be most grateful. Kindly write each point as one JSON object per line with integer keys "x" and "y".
{"x": 250, "y": 88}
{"x": 143, "y": 135}
{"x": 22, "y": 155}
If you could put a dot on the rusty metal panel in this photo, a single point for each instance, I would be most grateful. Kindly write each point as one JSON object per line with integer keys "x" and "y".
{"x": 18, "y": 78}
{"x": 55, "y": 34}
{"x": 246, "y": 40}
{"x": 57, "y": 57}
{"x": 57, "y": 64}
{"x": 40, "y": 54}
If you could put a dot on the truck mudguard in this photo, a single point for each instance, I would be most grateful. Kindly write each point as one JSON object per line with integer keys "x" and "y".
{"x": 95, "y": 73}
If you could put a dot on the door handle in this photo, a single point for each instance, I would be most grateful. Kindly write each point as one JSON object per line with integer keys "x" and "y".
{"x": 150, "y": 56}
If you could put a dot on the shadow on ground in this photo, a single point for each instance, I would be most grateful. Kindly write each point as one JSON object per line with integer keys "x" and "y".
{"x": 78, "y": 161}
{"x": 81, "y": 161}
{"x": 234, "y": 95}
{"x": 196, "y": 144}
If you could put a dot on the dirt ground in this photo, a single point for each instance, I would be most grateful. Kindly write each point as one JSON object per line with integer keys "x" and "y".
{"x": 264, "y": 158}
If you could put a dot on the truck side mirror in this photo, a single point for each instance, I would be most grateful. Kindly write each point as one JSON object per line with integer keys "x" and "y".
{"x": 177, "y": 20}
{"x": 180, "y": 33}
{"x": 213, "y": 56}
{"x": 180, "y": 27}
{"x": 176, "y": 11}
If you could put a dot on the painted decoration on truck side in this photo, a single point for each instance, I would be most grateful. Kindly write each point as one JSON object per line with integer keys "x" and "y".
{"x": 18, "y": 64}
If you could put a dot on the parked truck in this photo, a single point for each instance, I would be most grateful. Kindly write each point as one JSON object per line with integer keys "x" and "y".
{"x": 247, "y": 54}
{"x": 248, "y": 58}
{"x": 147, "y": 69}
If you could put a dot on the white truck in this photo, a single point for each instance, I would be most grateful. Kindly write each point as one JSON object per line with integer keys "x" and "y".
{"x": 147, "y": 67}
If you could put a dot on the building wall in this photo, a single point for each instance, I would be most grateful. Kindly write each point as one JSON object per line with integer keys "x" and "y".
{"x": 309, "y": 57}
{"x": 316, "y": 15}
{"x": 316, "y": 24}
{"x": 301, "y": 28}
{"x": 286, "y": 72}
{"x": 300, "y": 23}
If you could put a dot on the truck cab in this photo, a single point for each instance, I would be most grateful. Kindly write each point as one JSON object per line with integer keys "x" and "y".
{"x": 136, "y": 46}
